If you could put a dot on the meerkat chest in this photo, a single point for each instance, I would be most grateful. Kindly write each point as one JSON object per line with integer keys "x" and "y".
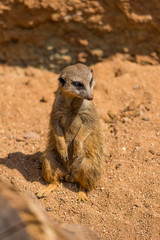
{"x": 71, "y": 123}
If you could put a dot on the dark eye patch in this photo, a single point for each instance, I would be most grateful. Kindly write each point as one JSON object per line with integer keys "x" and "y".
{"x": 62, "y": 81}
{"x": 91, "y": 82}
{"x": 78, "y": 84}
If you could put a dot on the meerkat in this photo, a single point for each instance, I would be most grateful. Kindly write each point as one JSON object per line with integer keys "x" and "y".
{"x": 75, "y": 148}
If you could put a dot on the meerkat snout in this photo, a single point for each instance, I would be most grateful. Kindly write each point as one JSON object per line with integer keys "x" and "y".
{"x": 90, "y": 98}
{"x": 77, "y": 81}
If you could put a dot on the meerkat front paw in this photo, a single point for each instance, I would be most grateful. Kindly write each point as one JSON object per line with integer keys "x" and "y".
{"x": 77, "y": 150}
{"x": 63, "y": 152}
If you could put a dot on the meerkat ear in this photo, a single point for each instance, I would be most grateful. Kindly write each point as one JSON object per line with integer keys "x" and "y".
{"x": 62, "y": 81}
{"x": 91, "y": 70}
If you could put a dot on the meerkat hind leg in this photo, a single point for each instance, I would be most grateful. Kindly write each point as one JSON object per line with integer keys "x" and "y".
{"x": 52, "y": 172}
{"x": 81, "y": 194}
{"x": 47, "y": 190}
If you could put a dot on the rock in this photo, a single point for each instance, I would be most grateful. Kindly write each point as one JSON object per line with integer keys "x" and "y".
{"x": 118, "y": 165}
{"x": 97, "y": 53}
{"x": 82, "y": 57}
{"x": 135, "y": 87}
{"x": 67, "y": 59}
{"x": 83, "y": 42}
{"x": 31, "y": 135}
{"x": 29, "y": 73}
{"x": 48, "y": 209}
{"x": 125, "y": 119}
{"x": 49, "y": 48}
{"x": 145, "y": 119}
{"x": 43, "y": 99}
{"x": 51, "y": 58}
{"x": 1, "y": 131}
{"x": 118, "y": 73}
{"x": 20, "y": 210}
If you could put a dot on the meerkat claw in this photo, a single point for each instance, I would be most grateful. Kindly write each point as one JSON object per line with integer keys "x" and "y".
{"x": 39, "y": 195}
{"x": 64, "y": 158}
{"x": 46, "y": 191}
{"x": 75, "y": 157}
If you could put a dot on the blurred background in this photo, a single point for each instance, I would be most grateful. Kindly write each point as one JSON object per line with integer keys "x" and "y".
{"x": 52, "y": 34}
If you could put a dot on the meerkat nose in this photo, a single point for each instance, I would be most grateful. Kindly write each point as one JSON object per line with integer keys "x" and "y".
{"x": 90, "y": 98}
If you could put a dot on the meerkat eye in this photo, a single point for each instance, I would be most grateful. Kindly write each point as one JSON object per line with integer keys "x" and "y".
{"x": 78, "y": 84}
{"x": 91, "y": 82}
{"x": 62, "y": 81}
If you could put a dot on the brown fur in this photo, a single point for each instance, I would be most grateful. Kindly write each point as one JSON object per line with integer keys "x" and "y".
{"x": 74, "y": 150}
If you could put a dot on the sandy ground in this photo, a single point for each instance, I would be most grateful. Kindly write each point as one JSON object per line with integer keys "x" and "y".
{"x": 126, "y": 202}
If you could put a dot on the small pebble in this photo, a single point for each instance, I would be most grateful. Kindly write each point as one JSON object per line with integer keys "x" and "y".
{"x": 151, "y": 151}
{"x": 48, "y": 209}
{"x": 49, "y": 48}
{"x": 43, "y": 99}
{"x": 146, "y": 119}
{"x": 31, "y": 135}
{"x": 135, "y": 87}
{"x": 2, "y": 131}
{"x": 95, "y": 195}
{"x": 125, "y": 119}
{"x": 118, "y": 165}
{"x": 62, "y": 199}
{"x": 136, "y": 148}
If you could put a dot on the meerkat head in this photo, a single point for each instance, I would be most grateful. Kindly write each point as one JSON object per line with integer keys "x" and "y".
{"x": 77, "y": 81}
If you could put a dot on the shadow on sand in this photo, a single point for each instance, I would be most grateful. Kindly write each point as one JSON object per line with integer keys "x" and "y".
{"x": 30, "y": 165}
